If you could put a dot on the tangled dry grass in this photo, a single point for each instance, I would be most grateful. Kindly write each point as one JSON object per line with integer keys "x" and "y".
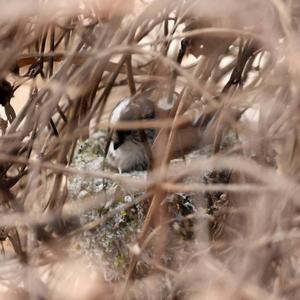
{"x": 232, "y": 63}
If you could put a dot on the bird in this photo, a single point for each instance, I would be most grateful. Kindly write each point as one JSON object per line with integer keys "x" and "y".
{"x": 132, "y": 149}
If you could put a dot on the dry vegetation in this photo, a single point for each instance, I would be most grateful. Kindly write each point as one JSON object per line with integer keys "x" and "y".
{"x": 233, "y": 64}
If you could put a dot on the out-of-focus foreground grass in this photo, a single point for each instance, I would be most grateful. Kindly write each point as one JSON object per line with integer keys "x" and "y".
{"x": 235, "y": 64}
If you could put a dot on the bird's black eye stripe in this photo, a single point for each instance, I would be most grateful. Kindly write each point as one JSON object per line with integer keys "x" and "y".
{"x": 125, "y": 133}
{"x": 121, "y": 136}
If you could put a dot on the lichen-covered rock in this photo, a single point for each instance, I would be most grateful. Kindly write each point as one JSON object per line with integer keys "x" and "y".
{"x": 108, "y": 245}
